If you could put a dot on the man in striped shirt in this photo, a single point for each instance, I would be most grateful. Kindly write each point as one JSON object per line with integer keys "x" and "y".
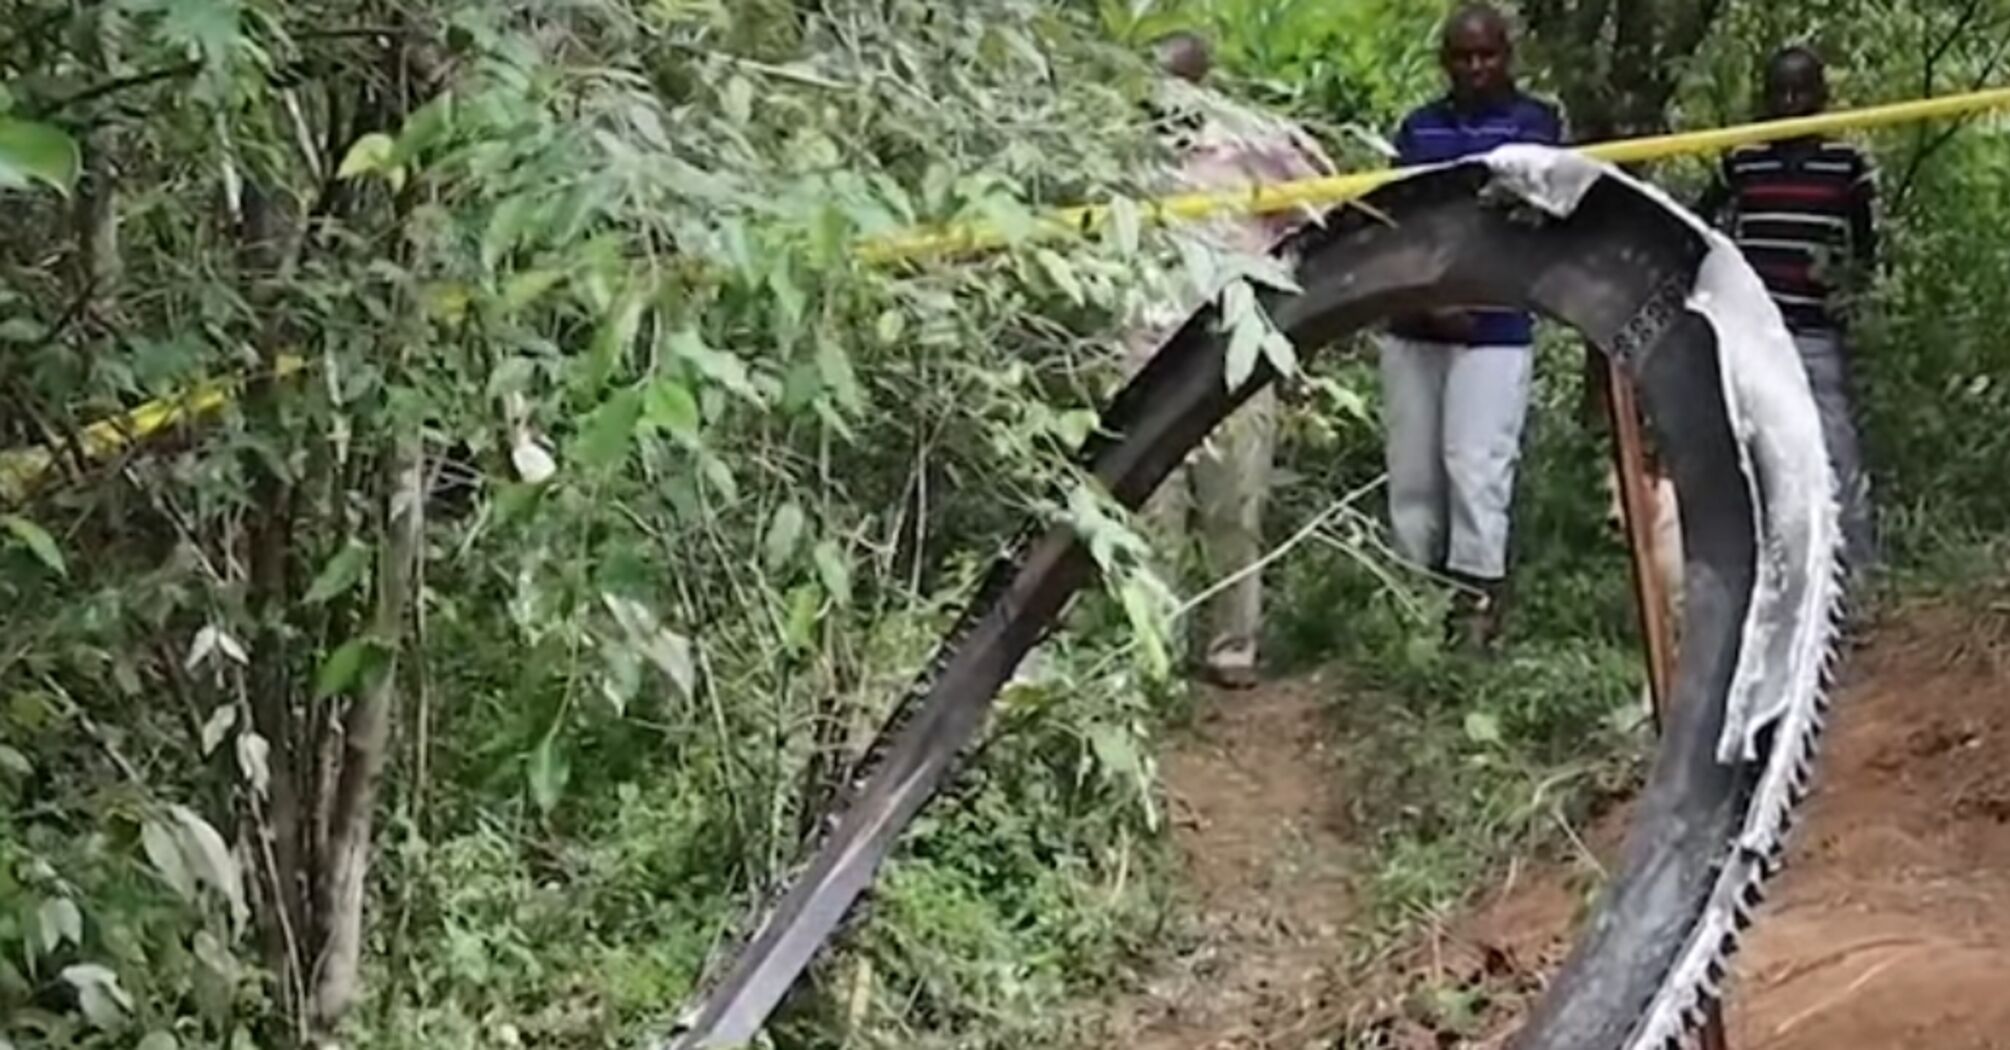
{"x": 1804, "y": 213}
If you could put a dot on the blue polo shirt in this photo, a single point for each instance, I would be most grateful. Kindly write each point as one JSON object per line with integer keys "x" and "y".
{"x": 1440, "y": 132}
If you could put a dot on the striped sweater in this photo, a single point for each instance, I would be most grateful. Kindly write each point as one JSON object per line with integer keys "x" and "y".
{"x": 1804, "y": 214}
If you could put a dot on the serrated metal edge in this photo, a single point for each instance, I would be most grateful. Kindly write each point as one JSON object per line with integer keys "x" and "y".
{"x": 1752, "y": 857}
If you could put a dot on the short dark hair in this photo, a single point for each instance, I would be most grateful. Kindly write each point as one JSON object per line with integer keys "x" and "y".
{"x": 1481, "y": 12}
{"x": 1796, "y": 53}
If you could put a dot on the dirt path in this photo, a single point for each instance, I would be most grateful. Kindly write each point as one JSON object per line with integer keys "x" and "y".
{"x": 1890, "y": 928}
{"x": 1258, "y": 824}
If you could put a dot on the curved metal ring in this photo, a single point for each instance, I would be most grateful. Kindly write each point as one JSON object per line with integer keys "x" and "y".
{"x": 1614, "y": 269}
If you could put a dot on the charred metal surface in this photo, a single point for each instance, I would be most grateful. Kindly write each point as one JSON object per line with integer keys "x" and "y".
{"x": 1616, "y": 270}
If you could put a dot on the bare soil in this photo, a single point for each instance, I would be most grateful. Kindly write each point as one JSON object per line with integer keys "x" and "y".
{"x": 1889, "y": 928}
{"x": 1260, "y": 828}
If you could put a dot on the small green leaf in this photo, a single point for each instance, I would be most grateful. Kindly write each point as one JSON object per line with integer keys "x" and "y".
{"x": 720, "y": 476}
{"x": 834, "y": 364}
{"x": 159, "y": 1041}
{"x": 213, "y": 28}
{"x": 368, "y": 155}
{"x": 164, "y": 851}
{"x": 799, "y": 628}
{"x": 343, "y": 571}
{"x": 1117, "y": 752}
{"x": 211, "y": 639}
{"x": 603, "y": 440}
{"x": 1012, "y": 219}
{"x": 614, "y": 338}
{"x": 1148, "y": 626}
{"x": 1062, "y": 274}
{"x": 525, "y": 288}
{"x": 211, "y": 861}
{"x": 357, "y": 659}
{"x": 788, "y": 296}
{"x": 623, "y": 679}
{"x": 60, "y": 921}
{"x": 670, "y": 407}
{"x": 720, "y": 367}
{"x": 834, "y": 569}
{"x": 32, "y": 152}
{"x": 12, "y": 761}
{"x": 1126, "y": 225}
{"x": 1074, "y": 427}
{"x": 739, "y": 100}
{"x": 892, "y": 324}
{"x": 38, "y": 541}
{"x": 548, "y": 772}
{"x": 508, "y": 224}
{"x": 98, "y": 993}
{"x": 1279, "y": 351}
{"x": 671, "y": 653}
{"x": 800, "y": 387}
{"x": 428, "y": 126}
{"x": 1482, "y": 728}
{"x": 254, "y": 761}
{"x": 6, "y": 99}
{"x": 785, "y": 533}
{"x": 1246, "y": 332}
{"x": 21, "y": 330}
{"x": 1348, "y": 401}
{"x": 218, "y": 724}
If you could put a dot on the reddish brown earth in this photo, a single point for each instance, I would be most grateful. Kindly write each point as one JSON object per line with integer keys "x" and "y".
{"x": 1890, "y": 927}
{"x": 1257, "y": 817}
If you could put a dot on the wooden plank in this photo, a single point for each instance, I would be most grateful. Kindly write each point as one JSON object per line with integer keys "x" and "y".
{"x": 1637, "y": 503}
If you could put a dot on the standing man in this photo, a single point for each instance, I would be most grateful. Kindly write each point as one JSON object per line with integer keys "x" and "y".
{"x": 1222, "y": 145}
{"x": 1804, "y": 213}
{"x": 1456, "y": 384}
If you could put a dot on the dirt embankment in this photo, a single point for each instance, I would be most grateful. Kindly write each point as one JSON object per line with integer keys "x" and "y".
{"x": 1890, "y": 927}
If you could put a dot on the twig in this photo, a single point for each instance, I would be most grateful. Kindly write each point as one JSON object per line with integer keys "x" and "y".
{"x": 1306, "y": 532}
{"x": 800, "y": 76}
{"x": 1381, "y": 572}
{"x": 1577, "y": 841}
{"x": 126, "y": 83}
{"x": 1917, "y": 165}
{"x": 95, "y": 732}
{"x": 1311, "y": 530}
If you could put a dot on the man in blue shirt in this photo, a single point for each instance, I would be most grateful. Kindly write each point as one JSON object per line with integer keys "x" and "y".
{"x": 1456, "y": 383}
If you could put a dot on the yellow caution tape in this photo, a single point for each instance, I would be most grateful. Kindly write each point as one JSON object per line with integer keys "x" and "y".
{"x": 960, "y": 238}
{"x": 20, "y": 469}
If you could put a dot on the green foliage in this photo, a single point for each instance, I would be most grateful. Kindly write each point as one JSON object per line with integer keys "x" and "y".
{"x": 1459, "y": 763}
{"x": 703, "y": 491}
{"x": 1933, "y": 366}
{"x": 1928, "y": 369}
{"x": 32, "y": 152}
{"x": 1343, "y": 68}
{"x": 38, "y": 542}
{"x": 1463, "y": 765}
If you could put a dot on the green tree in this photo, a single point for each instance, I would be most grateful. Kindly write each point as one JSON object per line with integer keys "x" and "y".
{"x": 582, "y": 507}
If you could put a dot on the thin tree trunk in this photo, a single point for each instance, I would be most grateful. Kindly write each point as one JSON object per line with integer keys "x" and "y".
{"x": 366, "y": 743}
{"x": 271, "y": 677}
{"x": 98, "y": 200}
{"x": 1618, "y": 66}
